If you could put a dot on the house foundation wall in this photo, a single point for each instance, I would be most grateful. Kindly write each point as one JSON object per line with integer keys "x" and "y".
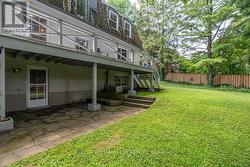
{"x": 66, "y": 83}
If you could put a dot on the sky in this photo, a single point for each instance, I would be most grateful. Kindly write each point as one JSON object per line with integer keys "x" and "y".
{"x": 135, "y": 1}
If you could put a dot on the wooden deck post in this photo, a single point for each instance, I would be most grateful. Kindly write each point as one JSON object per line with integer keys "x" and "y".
{"x": 6, "y": 124}
{"x": 2, "y": 83}
{"x": 94, "y": 43}
{"x": 61, "y": 32}
{"x": 132, "y": 92}
{"x": 94, "y": 106}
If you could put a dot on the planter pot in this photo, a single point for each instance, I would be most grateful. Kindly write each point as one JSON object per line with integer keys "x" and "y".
{"x": 6, "y": 125}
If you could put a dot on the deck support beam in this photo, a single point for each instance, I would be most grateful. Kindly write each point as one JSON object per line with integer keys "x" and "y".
{"x": 94, "y": 106}
{"x": 6, "y": 124}
{"x": 132, "y": 92}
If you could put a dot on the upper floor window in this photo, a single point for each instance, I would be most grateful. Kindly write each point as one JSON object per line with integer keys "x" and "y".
{"x": 122, "y": 54}
{"x": 93, "y": 16}
{"x": 128, "y": 29}
{"x": 114, "y": 20}
{"x": 13, "y": 14}
{"x": 82, "y": 8}
{"x": 73, "y": 6}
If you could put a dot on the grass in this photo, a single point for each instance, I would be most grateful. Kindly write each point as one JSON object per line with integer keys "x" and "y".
{"x": 184, "y": 127}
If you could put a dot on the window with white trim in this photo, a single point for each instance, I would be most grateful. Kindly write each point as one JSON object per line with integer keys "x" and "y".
{"x": 122, "y": 54}
{"x": 128, "y": 29}
{"x": 14, "y": 14}
{"x": 113, "y": 20}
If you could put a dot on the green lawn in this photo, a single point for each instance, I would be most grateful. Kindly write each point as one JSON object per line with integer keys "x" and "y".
{"x": 186, "y": 126}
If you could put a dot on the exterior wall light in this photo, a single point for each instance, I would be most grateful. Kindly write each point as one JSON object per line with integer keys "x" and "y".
{"x": 15, "y": 70}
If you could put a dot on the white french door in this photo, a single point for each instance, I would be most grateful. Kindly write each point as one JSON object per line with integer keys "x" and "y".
{"x": 37, "y": 87}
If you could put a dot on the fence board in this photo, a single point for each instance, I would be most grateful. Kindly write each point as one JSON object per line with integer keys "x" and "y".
{"x": 238, "y": 81}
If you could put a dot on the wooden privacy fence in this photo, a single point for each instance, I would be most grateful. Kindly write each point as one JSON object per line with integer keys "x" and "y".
{"x": 238, "y": 81}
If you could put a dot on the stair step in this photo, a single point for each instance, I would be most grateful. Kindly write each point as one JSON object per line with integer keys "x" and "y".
{"x": 144, "y": 101}
{"x": 131, "y": 104}
{"x": 108, "y": 95}
{"x": 142, "y": 97}
{"x": 109, "y": 102}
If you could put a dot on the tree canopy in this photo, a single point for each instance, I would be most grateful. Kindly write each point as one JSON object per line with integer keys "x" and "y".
{"x": 201, "y": 36}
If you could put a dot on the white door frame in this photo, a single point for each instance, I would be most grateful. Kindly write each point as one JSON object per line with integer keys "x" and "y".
{"x": 28, "y": 101}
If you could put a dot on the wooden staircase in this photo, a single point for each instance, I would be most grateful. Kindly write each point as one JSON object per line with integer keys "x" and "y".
{"x": 149, "y": 81}
{"x": 144, "y": 82}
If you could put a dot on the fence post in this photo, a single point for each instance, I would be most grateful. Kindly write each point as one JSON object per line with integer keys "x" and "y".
{"x": 242, "y": 81}
{"x": 200, "y": 79}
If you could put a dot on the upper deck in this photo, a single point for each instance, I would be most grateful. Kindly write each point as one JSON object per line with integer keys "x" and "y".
{"x": 39, "y": 22}
{"x": 99, "y": 14}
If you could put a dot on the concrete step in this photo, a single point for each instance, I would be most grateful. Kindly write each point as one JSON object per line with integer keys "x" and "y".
{"x": 108, "y": 95}
{"x": 143, "y": 98}
{"x": 142, "y": 101}
{"x": 132, "y": 104}
{"x": 109, "y": 102}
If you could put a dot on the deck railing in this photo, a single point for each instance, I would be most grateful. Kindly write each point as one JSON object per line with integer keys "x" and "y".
{"x": 97, "y": 14}
{"x": 44, "y": 28}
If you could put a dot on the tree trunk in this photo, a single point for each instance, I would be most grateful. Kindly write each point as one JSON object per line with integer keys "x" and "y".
{"x": 210, "y": 67}
{"x": 209, "y": 46}
{"x": 210, "y": 76}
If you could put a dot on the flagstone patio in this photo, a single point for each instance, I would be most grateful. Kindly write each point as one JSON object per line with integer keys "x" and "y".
{"x": 37, "y": 131}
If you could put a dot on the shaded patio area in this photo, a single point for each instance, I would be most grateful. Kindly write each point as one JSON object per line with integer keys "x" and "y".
{"x": 37, "y": 131}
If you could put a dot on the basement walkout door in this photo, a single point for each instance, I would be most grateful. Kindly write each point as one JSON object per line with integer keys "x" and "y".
{"x": 37, "y": 88}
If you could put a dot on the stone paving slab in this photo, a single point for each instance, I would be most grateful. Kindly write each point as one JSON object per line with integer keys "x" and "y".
{"x": 37, "y": 131}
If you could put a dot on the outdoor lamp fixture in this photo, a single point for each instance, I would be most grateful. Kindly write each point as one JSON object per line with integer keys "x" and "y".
{"x": 15, "y": 70}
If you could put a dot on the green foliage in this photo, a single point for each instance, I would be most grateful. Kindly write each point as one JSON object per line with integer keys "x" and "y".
{"x": 184, "y": 65}
{"x": 126, "y": 8}
{"x": 234, "y": 46}
{"x": 182, "y": 33}
{"x": 207, "y": 62}
{"x": 156, "y": 22}
{"x": 185, "y": 126}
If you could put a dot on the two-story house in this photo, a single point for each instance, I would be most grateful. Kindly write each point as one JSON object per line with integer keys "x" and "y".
{"x": 56, "y": 52}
